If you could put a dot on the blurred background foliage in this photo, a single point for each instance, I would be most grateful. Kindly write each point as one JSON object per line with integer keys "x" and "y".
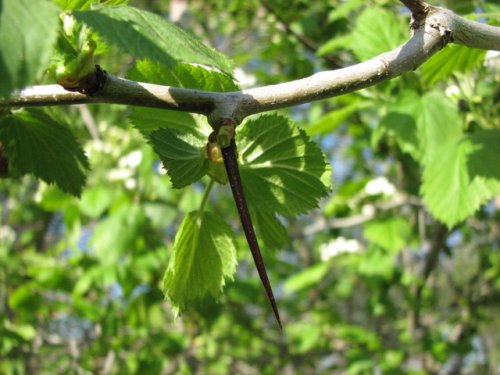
{"x": 370, "y": 283}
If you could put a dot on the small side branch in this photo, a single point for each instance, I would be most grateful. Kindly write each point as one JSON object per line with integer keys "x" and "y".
{"x": 473, "y": 34}
{"x": 419, "y": 11}
{"x": 416, "y": 6}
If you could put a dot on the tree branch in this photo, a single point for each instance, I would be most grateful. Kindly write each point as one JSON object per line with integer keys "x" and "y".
{"x": 441, "y": 26}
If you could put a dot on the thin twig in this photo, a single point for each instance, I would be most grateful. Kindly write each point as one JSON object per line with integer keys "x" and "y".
{"x": 355, "y": 220}
{"x": 438, "y": 243}
{"x": 89, "y": 121}
{"x": 304, "y": 40}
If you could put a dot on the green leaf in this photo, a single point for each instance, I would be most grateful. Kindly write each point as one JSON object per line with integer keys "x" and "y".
{"x": 400, "y": 123}
{"x": 391, "y": 234}
{"x": 485, "y": 154}
{"x": 377, "y": 263}
{"x": 118, "y": 233}
{"x": 307, "y": 278}
{"x": 36, "y": 143}
{"x": 181, "y": 155}
{"x": 335, "y": 118}
{"x": 304, "y": 336}
{"x": 343, "y": 10}
{"x": 85, "y": 4}
{"x": 217, "y": 171}
{"x": 336, "y": 43}
{"x": 282, "y": 170}
{"x": 270, "y": 229}
{"x": 203, "y": 256}
{"x": 459, "y": 178}
{"x": 459, "y": 172}
{"x": 438, "y": 121}
{"x": 454, "y": 58}
{"x": 148, "y": 36}
{"x": 96, "y": 200}
{"x": 182, "y": 75}
{"x": 421, "y": 123}
{"x": 151, "y": 119}
{"x": 403, "y": 128}
{"x": 54, "y": 199}
{"x": 377, "y": 30}
{"x": 28, "y": 31}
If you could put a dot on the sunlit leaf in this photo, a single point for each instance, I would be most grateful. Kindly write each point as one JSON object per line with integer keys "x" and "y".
{"x": 54, "y": 199}
{"x": 391, "y": 234}
{"x": 306, "y": 278}
{"x": 282, "y": 170}
{"x": 96, "y": 200}
{"x": 449, "y": 188}
{"x": 85, "y": 4}
{"x": 28, "y": 31}
{"x": 330, "y": 121}
{"x": 203, "y": 257}
{"x": 420, "y": 124}
{"x": 184, "y": 75}
{"x": 342, "y": 10}
{"x": 336, "y": 43}
{"x": 458, "y": 170}
{"x": 377, "y": 30}
{"x": 438, "y": 121}
{"x": 377, "y": 262}
{"x": 304, "y": 336}
{"x": 454, "y": 58}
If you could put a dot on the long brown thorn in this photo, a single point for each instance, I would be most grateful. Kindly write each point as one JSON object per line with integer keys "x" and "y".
{"x": 233, "y": 173}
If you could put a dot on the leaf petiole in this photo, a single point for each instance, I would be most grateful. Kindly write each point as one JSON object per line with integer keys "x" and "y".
{"x": 206, "y": 195}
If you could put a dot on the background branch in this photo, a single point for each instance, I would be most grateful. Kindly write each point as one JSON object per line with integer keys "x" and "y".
{"x": 304, "y": 40}
{"x": 351, "y": 221}
{"x": 438, "y": 243}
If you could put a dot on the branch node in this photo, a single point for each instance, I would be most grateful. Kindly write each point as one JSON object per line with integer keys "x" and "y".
{"x": 224, "y": 115}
